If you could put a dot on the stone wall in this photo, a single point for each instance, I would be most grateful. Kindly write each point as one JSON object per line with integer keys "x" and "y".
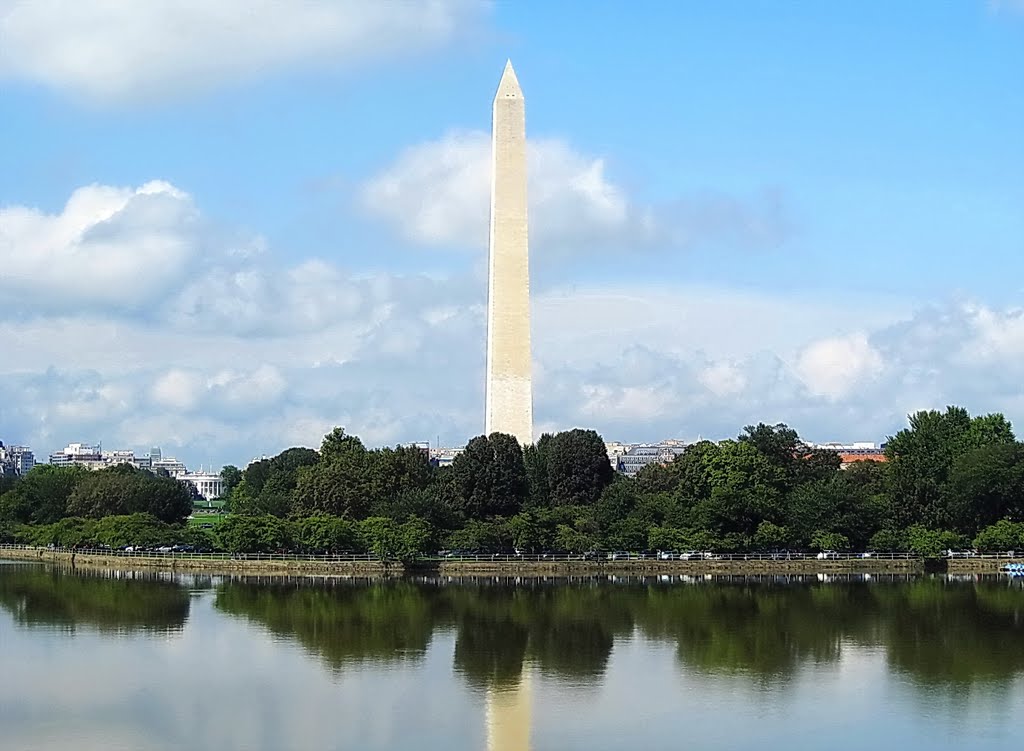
{"x": 487, "y": 568}
{"x": 208, "y": 565}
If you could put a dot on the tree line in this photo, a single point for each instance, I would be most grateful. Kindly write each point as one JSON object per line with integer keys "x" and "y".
{"x": 951, "y": 481}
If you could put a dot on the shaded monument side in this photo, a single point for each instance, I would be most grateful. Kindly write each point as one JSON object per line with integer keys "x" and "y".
{"x": 509, "y": 406}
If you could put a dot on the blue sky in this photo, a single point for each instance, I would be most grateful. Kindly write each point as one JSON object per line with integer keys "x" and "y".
{"x": 226, "y": 229}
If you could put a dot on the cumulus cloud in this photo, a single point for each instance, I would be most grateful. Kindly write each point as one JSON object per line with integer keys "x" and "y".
{"x": 437, "y": 194}
{"x": 834, "y": 366}
{"x": 114, "y": 50}
{"x": 244, "y": 357}
{"x": 108, "y": 247}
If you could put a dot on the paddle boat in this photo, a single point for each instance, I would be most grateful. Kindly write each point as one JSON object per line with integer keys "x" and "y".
{"x": 1013, "y": 569}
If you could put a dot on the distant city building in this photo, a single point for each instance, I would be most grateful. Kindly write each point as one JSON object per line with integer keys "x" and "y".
{"x": 616, "y": 450}
{"x": 859, "y": 451}
{"x": 443, "y": 457}
{"x": 16, "y": 460}
{"x": 632, "y": 457}
{"x": 113, "y": 458}
{"x": 207, "y": 484}
{"x": 78, "y": 453}
{"x": 94, "y": 457}
{"x": 168, "y": 464}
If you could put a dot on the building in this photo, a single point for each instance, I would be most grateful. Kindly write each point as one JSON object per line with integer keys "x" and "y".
{"x": 616, "y": 450}
{"x": 16, "y": 460}
{"x": 509, "y": 387}
{"x": 859, "y": 451}
{"x": 94, "y": 457}
{"x": 168, "y": 464}
{"x": 209, "y": 485}
{"x": 631, "y": 458}
{"x": 443, "y": 457}
{"x": 84, "y": 454}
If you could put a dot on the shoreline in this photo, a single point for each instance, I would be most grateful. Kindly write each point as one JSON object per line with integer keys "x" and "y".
{"x": 376, "y": 568}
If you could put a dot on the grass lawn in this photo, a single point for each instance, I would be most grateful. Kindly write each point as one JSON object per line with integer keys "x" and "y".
{"x": 200, "y": 519}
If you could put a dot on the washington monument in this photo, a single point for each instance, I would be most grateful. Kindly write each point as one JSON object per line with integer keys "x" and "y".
{"x": 509, "y": 367}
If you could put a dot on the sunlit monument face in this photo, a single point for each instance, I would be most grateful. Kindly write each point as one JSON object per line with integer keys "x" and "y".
{"x": 509, "y": 407}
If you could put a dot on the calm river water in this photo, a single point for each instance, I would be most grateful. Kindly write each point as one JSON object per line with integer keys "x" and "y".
{"x": 153, "y": 661}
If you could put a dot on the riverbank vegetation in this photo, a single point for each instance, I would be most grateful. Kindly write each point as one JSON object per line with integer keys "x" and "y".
{"x": 951, "y": 481}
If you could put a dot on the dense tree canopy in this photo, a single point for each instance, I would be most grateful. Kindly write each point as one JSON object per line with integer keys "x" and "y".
{"x": 950, "y": 480}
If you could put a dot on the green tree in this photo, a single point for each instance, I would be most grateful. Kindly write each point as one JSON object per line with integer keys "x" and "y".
{"x": 984, "y": 485}
{"x": 325, "y": 534}
{"x": 134, "y": 529}
{"x": 254, "y": 534}
{"x": 568, "y": 539}
{"x": 822, "y": 540}
{"x": 888, "y": 541}
{"x": 230, "y": 476}
{"x": 339, "y": 484}
{"x": 578, "y": 469}
{"x": 1003, "y": 535}
{"x": 665, "y": 538}
{"x": 931, "y": 543}
{"x": 770, "y": 536}
{"x": 922, "y": 456}
{"x": 743, "y": 484}
{"x": 394, "y": 473}
{"x": 125, "y": 490}
{"x": 490, "y": 477}
{"x": 492, "y": 536}
{"x": 836, "y": 504}
{"x": 41, "y": 496}
{"x": 529, "y": 533}
{"x": 535, "y": 459}
{"x": 269, "y": 485}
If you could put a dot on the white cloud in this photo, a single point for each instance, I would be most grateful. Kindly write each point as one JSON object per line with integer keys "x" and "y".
{"x": 118, "y": 50}
{"x": 178, "y": 389}
{"x": 244, "y": 358}
{"x": 437, "y": 194}
{"x": 833, "y": 367}
{"x": 108, "y": 247}
{"x": 723, "y": 379}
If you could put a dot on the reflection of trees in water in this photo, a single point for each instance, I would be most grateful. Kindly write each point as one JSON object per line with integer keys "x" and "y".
{"x": 936, "y": 631}
{"x": 948, "y": 633}
{"x": 108, "y": 601}
{"x": 566, "y": 631}
{"x": 767, "y": 630}
{"x": 337, "y": 621}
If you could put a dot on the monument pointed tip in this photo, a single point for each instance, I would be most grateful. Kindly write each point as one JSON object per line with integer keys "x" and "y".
{"x": 509, "y": 85}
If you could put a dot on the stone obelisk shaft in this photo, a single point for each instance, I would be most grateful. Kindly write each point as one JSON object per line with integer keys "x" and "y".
{"x": 509, "y": 406}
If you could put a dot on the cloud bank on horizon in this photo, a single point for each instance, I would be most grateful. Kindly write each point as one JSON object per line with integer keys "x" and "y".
{"x": 156, "y": 292}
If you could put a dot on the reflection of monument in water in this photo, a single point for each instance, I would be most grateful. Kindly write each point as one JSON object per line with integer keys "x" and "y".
{"x": 509, "y": 400}
{"x": 509, "y": 713}
{"x": 509, "y": 407}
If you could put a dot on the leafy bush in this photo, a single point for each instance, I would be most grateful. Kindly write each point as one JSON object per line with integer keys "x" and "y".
{"x": 931, "y": 543}
{"x": 888, "y": 541}
{"x": 829, "y": 541}
{"x": 254, "y": 534}
{"x": 1003, "y": 535}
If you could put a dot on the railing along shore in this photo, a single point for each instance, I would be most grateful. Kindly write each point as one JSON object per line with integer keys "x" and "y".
{"x": 597, "y": 558}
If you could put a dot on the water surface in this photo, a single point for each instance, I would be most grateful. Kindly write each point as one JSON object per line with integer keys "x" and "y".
{"x": 155, "y": 661}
